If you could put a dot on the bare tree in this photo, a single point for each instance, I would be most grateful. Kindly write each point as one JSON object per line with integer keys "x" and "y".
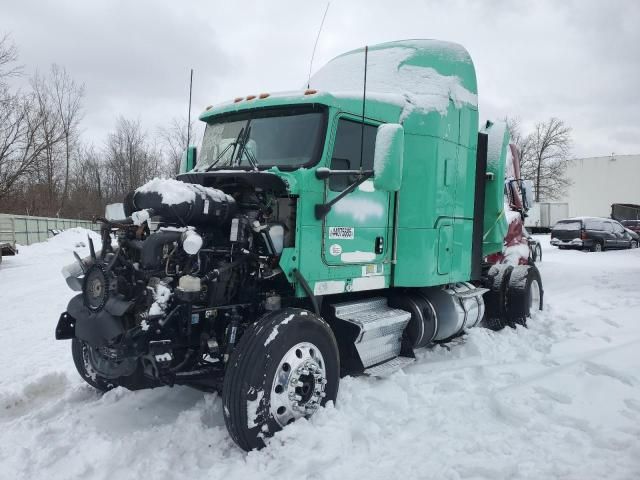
{"x": 520, "y": 140}
{"x": 20, "y": 142}
{"x": 8, "y": 57}
{"x": 174, "y": 142}
{"x": 130, "y": 157}
{"x": 544, "y": 155}
{"x": 50, "y": 133}
{"x": 551, "y": 146}
{"x": 86, "y": 194}
{"x": 67, "y": 98}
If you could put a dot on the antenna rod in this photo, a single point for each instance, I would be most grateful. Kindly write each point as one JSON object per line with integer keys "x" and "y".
{"x": 364, "y": 98}
{"x": 189, "y": 114}
{"x": 316, "y": 44}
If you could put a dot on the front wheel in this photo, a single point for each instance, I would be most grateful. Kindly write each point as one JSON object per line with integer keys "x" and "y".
{"x": 83, "y": 359}
{"x": 633, "y": 244}
{"x": 285, "y": 367}
{"x": 597, "y": 247}
{"x": 104, "y": 369}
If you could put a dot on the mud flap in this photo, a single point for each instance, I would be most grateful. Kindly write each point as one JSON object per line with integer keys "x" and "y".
{"x": 65, "y": 330}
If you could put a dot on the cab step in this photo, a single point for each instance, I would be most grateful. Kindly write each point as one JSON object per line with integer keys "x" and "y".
{"x": 380, "y": 325}
{"x": 390, "y": 366}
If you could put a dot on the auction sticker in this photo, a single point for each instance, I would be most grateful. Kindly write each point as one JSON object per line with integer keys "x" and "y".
{"x": 335, "y": 249}
{"x": 341, "y": 233}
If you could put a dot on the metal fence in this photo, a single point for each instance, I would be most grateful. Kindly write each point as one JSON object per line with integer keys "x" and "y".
{"x": 25, "y": 230}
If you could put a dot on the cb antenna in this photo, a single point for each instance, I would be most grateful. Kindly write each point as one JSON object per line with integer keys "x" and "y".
{"x": 364, "y": 98}
{"x": 189, "y": 114}
{"x": 316, "y": 44}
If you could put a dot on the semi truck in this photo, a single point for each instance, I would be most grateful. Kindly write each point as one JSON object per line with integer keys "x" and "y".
{"x": 317, "y": 233}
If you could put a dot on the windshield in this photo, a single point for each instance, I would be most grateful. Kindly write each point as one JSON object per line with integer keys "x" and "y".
{"x": 568, "y": 226}
{"x": 286, "y": 139}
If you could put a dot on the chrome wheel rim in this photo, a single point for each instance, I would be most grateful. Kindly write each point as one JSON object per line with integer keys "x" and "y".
{"x": 598, "y": 247}
{"x": 534, "y": 298}
{"x": 298, "y": 385}
{"x": 634, "y": 244}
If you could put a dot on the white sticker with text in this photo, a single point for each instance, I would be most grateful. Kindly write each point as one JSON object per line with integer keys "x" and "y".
{"x": 341, "y": 233}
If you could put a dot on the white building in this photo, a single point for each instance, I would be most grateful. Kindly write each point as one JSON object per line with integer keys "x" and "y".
{"x": 597, "y": 182}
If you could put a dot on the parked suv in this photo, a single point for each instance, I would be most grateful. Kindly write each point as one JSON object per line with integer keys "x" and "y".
{"x": 592, "y": 233}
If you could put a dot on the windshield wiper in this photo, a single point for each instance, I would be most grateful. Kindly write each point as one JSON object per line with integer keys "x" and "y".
{"x": 226, "y": 149}
{"x": 243, "y": 151}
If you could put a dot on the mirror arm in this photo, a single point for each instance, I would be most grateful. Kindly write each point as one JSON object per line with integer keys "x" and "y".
{"x": 323, "y": 173}
{"x": 322, "y": 209}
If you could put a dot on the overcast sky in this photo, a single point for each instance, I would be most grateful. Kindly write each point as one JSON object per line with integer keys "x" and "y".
{"x": 577, "y": 60}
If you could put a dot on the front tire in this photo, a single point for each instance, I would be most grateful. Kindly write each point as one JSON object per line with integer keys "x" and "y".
{"x": 81, "y": 359}
{"x": 633, "y": 244}
{"x": 597, "y": 247}
{"x": 285, "y": 367}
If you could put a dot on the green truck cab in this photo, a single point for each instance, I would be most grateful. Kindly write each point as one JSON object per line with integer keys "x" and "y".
{"x": 314, "y": 234}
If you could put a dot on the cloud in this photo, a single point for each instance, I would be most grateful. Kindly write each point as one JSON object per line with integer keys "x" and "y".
{"x": 577, "y": 60}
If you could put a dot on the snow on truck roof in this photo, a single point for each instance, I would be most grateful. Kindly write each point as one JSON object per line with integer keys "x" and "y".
{"x": 415, "y": 74}
{"x": 412, "y": 75}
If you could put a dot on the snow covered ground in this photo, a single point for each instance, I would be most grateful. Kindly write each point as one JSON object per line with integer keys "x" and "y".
{"x": 560, "y": 399}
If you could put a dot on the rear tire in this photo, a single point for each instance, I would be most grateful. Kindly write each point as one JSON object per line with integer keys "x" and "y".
{"x": 495, "y": 300}
{"x": 285, "y": 366}
{"x": 597, "y": 247}
{"x": 524, "y": 294}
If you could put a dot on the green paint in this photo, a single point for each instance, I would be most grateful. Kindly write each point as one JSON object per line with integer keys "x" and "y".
{"x": 434, "y": 184}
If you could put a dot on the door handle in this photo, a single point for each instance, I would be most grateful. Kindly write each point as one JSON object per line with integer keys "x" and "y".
{"x": 379, "y": 248}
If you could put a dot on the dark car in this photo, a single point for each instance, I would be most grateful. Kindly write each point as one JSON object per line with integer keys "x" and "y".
{"x": 592, "y": 233}
{"x": 633, "y": 225}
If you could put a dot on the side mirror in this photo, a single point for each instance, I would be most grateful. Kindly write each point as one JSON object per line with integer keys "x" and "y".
{"x": 527, "y": 193}
{"x": 115, "y": 211}
{"x": 189, "y": 159}
{"x": 388, "y": 157}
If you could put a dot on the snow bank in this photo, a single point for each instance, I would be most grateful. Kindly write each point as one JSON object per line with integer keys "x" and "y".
{"x": 66, "y": 241}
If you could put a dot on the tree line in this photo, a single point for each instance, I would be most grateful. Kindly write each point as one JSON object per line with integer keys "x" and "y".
{"x": 48, "y": 169}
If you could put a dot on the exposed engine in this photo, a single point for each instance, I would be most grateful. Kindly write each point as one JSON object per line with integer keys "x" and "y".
{"x": 167, "y": 298}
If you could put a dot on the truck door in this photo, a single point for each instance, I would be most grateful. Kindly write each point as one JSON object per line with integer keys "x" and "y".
{"x": 355, "y": 231}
